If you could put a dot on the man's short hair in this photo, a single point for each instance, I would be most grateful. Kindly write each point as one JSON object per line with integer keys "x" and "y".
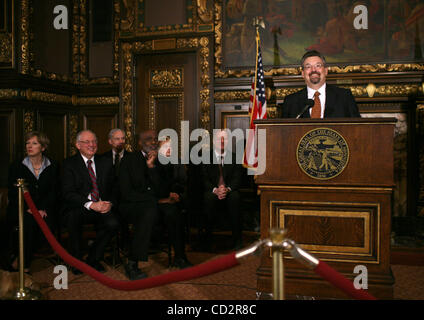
{"x": 81, "y": 132}
{"x": 112, "y": 132}
{"x": 312, "y": 53}
{"x": 41, "y": 137}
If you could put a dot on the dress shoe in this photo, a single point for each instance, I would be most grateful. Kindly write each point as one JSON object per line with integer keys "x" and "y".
{"x": 96, "y": 265}
{"x": 133, "y": 272}
{"x": 182, "y": 263}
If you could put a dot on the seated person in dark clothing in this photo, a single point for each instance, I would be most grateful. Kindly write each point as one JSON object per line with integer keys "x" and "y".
{"x": 41, "y": 175}
{"x": 89, "y": 197}
{"x": 221, "y": 180}
{"x": 172, "y": 198}
{"x": 139, "y": 181}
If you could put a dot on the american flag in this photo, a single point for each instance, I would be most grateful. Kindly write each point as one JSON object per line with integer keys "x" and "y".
{"x": 257, "y": 110}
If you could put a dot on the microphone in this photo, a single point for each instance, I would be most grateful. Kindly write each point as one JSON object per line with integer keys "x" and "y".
{"x": 309, "y": 104}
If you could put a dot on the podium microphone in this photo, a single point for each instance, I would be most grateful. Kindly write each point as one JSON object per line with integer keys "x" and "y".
{"x": 309, "y": 104}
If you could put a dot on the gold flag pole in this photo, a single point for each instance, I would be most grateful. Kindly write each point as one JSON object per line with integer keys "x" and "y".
{"x": 277, "y": 237}
{"x": 23, "y": 293}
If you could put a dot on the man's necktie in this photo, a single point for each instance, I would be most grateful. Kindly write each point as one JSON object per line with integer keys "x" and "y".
{"x": 221, "y": 174}
{"x": 117, "y": 162}
{"x": 94, "y": 191}
{"x": 316, "y": 109}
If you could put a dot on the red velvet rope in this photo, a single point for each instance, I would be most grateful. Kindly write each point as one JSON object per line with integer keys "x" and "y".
{"x": 204, "y": 269}
{"x": 339, "y": 281}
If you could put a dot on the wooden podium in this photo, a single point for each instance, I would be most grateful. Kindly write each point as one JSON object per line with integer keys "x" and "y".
{"x": 329, "y": 182}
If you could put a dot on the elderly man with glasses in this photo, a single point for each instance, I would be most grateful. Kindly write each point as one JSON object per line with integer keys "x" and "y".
{"x": 89, "y": 197}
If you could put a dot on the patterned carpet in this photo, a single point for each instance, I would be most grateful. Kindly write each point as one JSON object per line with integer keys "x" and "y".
{"x": 238, "y": 283}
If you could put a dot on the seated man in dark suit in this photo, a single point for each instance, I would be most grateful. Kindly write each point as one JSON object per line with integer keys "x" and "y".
{"x": 117, "y": 153}
{"x": 139, "y": 181}
{"x": 221, "y": 180}
{"x": 329, "y": 101}
{"x": 172, "y": 199}
{"x": 89, "y": 196}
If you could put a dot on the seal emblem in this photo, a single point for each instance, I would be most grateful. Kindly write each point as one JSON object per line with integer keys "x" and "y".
{"x": 322, "y": 153}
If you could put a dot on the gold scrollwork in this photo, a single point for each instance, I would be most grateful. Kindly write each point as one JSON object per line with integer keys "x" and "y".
{"x": 50, "y": 97}
{"x": 8, "y": 93}
{"x": 98, "y": 101}
{"x": 205, "y": 81}
{"x": 166, "y": 78}
{"x": 205, "y": 14}
{"x": 6, "y": 47}
{"x": 29, "y": 121}
{"x": 226, "y": 96}
{"x": 25, "y": 55}
{"x": 73, "y": 130}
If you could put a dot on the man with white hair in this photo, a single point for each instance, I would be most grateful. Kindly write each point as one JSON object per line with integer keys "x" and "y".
{"x": 89, "y": 197}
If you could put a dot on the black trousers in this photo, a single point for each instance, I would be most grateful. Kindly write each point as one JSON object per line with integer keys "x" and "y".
{"x": 231, "y": 204}
{"x": 106, "y": 226}
{"x": 33, "y": 237}
{"x": 144, "y": 216}
{"x": 172, "y": 217}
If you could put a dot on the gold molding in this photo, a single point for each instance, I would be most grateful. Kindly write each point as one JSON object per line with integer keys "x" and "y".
{"x": 8, "y": 93}
{"x": 205, "y": 81}
{"x": 384, "y": 90}
{"x": 73, "y": 130}
{"x": 220, "y": 72}
{"x": 6, "y": 47}
{"x": 165, "y": 78}
{"x": 29, "y": 121}
{"x": 152, "y": 108}
{"x": 24, "y": 26}
{"x": 97, "y": 101}
{"x": 129, "y": 49}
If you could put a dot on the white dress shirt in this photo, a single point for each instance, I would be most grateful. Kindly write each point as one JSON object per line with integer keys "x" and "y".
{"x": 311, "y": 93}
{"x": 87, "y": 205}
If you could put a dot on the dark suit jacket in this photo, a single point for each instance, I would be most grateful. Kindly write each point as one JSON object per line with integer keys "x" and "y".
{"x": 339, "y": 103}
{"x": 44, "y": 191}
{"x": 109, "y": 155}
{"x": 137, "y": 182}
{"x": 232, "y": 173}
{"x": 76, "y": 184}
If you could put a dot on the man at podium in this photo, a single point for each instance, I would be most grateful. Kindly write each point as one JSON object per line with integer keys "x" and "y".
{"x": 319, "y": 99}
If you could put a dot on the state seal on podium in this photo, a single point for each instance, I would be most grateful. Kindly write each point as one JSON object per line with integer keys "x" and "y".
{"x": 322, "y": 153}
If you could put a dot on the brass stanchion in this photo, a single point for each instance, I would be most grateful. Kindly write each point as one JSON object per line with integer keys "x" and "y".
{"x": 23, "y": 293}
{"x": 277, "y": 237}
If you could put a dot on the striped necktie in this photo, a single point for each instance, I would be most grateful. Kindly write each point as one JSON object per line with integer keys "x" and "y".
{"x": 94, "y": 191}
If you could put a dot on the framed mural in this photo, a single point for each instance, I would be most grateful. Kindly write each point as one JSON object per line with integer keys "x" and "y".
{"x": 394, "y": 33}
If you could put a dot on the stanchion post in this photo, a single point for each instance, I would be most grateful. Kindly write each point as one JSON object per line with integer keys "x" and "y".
{"x": 23, "y": 293}
{"x": 277, "y": 237}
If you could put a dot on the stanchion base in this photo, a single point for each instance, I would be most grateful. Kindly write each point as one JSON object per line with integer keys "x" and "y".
{"x": 27, "y": 294}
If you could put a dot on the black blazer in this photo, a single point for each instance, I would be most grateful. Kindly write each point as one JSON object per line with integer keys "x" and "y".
{"x": 44, "y": 191}
{"x": 109, "y": 155}
{"x": 339, "y": 103}
{"x": 232, "y": 173}
{"x": 137, "y": 182}
{"x": 76, "y": 184}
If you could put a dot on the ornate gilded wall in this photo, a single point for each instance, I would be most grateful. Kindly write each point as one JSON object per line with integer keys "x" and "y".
{"x": 380, "y": 89}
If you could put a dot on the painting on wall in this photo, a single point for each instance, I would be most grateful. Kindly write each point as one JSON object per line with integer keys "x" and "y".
{"x": 345, "y": 31}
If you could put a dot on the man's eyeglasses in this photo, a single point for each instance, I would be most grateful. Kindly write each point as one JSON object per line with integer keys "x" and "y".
{"x": 310, "y": 66}
{"x": 88, "y": 142}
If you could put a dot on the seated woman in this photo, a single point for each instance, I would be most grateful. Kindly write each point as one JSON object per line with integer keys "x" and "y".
{"x": 41, "y": 176}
